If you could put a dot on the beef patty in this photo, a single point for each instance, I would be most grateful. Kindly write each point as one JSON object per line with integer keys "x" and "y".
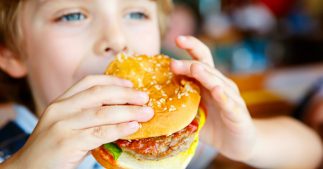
{"x": 157, "y": 148}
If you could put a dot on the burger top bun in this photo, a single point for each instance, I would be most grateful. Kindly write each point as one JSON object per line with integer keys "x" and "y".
{"x": 175, "y": 99}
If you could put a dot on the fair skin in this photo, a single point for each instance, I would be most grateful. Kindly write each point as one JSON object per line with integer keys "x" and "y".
{"x": 67, "y": 43}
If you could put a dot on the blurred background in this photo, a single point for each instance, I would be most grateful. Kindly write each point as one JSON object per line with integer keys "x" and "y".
{"x": 251, "y": 35}
{"x": 273, "y": 50}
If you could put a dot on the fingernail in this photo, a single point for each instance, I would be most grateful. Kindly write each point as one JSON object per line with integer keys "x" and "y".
{"x": 178, "y": 63}
{"x": 144, "y": 95}
{"x": 128, "y": 83}
{"x": 133, "y": 125}
{"x": 148, "y": 110}
{"x": 182, "y": 38}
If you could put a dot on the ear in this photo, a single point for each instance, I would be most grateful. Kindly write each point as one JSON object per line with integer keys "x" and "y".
{"x": 11, "y": 64}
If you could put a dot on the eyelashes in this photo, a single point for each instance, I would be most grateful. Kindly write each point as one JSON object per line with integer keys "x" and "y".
{"x": 79, "y": 16}
{"x": 137, "y": 16}
{"x": 72, "y": 17}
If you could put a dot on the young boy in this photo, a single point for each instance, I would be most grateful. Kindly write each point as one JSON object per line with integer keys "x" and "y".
{"x": 63, "y": 46}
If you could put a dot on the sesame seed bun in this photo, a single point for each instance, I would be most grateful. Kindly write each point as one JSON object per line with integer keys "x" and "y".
{"x": 175, "y": 99}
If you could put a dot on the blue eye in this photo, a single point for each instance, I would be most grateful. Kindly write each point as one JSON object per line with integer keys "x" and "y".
{"x": 73, "y": 17}
{"x": 137, "y": 16}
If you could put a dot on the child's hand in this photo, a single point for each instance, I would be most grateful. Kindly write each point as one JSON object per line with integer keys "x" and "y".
{"x": 229, "y": 126}
{"x": 91, "y": 113}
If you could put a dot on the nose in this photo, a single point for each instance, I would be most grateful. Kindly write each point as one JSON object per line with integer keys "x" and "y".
{"x": 112, "y": 40}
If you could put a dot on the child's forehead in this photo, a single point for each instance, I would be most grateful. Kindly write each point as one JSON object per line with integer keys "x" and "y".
{"x": 45, "y": 1}
{"x": 50, "y": 3}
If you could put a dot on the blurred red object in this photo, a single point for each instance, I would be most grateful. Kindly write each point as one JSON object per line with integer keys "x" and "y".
{"x": 279, "y": 7}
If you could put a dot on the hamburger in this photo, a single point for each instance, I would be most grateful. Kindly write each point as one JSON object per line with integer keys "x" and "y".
{"x": 170, "y": 138}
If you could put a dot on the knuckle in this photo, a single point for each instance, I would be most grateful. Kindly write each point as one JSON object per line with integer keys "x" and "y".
{"x": 59, "y": 131}
{"x": 66, "y": 143}
{"x": 52, "y": 109}
{"x": 51, "y": 113}
{"x": 61, "y": 143}
{"x": 234, "y": 85}
{"x": 193, "y": 68}
{"x": 195, "y": 74}
{"x": 98, "y": 132}
{"x": 58, "y": 127}
{"x": 100, "y": 112}
{"x": 96, "y": 89}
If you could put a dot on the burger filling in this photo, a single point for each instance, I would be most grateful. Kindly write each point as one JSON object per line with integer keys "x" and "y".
{"x": 157, "y": 148}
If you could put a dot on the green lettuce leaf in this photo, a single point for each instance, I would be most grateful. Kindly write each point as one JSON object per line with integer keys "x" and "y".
{"x": 114, "y": 150}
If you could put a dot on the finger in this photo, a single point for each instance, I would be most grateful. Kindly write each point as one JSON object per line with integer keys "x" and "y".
{"x": 95, "y": 80}
{"x": 208, "y": 79}
{"x": 108, "y": 115}
{"x": 198, "y": 50}
{"x": 104, "y": 95}
{"x": 232, "y": 110}
{"x": 92, "y": 138}
{"x": 210, "y": 76}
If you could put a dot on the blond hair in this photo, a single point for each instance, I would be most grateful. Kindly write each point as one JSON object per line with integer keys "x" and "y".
{"x": 9, "y": 20}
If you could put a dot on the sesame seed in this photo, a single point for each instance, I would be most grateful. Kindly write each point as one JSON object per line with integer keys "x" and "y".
{"x": 150, "y": 103}
{"x": 162, "y": 100}
{"x": 172, "y": 108}
{"x": 158, "y": 87}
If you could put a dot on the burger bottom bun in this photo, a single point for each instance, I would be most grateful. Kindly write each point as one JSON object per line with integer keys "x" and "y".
{"x": 127, "y": 161}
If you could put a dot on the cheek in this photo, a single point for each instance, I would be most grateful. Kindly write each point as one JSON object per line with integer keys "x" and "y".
{"x": 51, "y": 63}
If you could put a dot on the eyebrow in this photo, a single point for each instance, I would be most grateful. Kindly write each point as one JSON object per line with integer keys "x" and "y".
{"x": 45, "y": 1}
